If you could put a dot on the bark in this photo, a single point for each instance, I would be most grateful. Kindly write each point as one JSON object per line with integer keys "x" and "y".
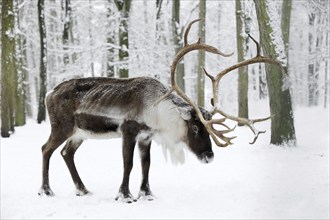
{"x": 201, "y": 55}
{"x": 43, "y": 62}
{"x": 7, "y": 68}
{"x": 285, "y": 24}
{"x": 124, "y": 8}
{"x": 26, "y": 79}
{"x": 19, "y": 77}
{"x": 282, "y": 124}
{"x": 243, "y": 108}
{"x": 326, "y": 77}
{"x": 91, "y": 43}
{"x": 111, "y": 39}
{"x": 66, "y": 30}
{"x": 177, "y": 38}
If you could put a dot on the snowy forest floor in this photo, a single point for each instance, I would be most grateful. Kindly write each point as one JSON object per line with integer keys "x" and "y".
{"x": 244, "y": 181}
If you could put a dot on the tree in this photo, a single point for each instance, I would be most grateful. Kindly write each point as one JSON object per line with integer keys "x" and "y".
{"x": 43, "y": 62}
{"x": 123, "y": 6}
{"x": 318, "y": 12}
{"x": 282, "y": 124}
{"x": 285, "y": 24}
{"x": 177, "y": 38}
{"x": 111, "y": 39}
{"x": 66, "y": 30}
{"x": 7, "y": 68}
{"x": 19, "y": 73}
{"x": 91, "y": 43}
{"x": 201, "y": 55}
{"x": 242, "y": 46}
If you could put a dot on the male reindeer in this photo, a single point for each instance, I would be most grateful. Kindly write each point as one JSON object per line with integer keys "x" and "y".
{"x": 139, "y": 110}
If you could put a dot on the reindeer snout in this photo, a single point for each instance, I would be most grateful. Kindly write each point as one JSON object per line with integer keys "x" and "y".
{"x": 207, "y": 157}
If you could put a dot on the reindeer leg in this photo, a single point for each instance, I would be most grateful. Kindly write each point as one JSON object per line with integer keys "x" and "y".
{"x": 145, "y": 191}
{"x": 67, "y": 153}
{"x": 128, "y": 152}
{"x": 129, "y": 135}
{"x": 51, "y": 145}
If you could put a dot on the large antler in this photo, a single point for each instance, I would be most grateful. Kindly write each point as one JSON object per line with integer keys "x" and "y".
{"x": 215, "y": 85}
{"x": 209, "y": 124}
{"x": 183, "y": 51}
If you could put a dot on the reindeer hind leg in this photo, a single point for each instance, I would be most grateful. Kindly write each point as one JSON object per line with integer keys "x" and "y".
{"x": 67, "y": 153}
{"x": 54, "y": 141}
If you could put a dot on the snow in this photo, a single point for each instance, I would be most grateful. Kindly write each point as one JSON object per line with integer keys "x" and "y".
{"x": 258, "y": 181}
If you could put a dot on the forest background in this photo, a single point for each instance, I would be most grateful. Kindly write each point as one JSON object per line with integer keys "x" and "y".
{"x": 45, "y": 42}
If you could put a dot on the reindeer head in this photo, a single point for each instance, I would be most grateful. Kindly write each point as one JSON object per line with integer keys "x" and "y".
{"x": 198, "y": 139}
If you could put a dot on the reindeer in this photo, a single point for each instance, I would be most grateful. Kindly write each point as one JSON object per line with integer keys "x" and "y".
{"x": 139, "y": 110}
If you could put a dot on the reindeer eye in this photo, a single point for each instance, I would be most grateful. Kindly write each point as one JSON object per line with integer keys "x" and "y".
{"x": 195, "y": 129}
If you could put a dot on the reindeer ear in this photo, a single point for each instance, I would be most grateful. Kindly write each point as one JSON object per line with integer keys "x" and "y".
{"x": 185, "y": 113}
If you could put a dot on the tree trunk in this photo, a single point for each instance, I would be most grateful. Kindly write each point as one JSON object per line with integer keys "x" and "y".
{"x": 43, "y": 62}
{"x": 262, "y": 83}
{"x": 66, "y": 30}
{"x": 326, "y": 78}
{"x": 282, "y": 124}
{"x": 285, "y": 24}
{"x": 91, "y": 44}
{"x": 312, "y": 77}
{"x": 111, "y": 39}
{"x": 124, "y": 7}
{"x": 7, "y": 68}
{"x": 19, "y": 79}
{"x": 201, "y": 55}
{"x": 26, "y": 79}
{"x": 243, "y": 108}
{"x": 177, "y": 39}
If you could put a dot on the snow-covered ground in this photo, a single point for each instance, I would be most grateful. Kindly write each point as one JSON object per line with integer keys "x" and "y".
{"x": 258, "y": 181}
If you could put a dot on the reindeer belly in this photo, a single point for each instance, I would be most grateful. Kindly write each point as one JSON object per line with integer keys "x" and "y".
{"x": 95, "y": 127}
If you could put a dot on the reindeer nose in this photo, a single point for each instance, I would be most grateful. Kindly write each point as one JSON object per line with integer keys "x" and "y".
{"x": 207, "y": 157}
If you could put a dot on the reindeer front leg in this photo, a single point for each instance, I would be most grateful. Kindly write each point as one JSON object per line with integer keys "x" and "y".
{"x": 129, "y": 135}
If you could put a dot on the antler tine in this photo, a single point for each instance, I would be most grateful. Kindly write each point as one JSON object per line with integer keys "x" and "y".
{"x": 254, "y": 130}
{"x": 248, "y": 122}
{"x": 225, "y": 139}
{"x": 257, "y": 44}
{"x": 208, "y": 75}
{"x": 256, "y": 135}
{"x": 185, "y": 36}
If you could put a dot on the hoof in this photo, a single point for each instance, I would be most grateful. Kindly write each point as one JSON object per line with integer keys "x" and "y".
{"x": 82, "y": 192}
{"x": 146, "y": 196}
{"x": 125, "y": 198}
{"x": 47, "y": 192}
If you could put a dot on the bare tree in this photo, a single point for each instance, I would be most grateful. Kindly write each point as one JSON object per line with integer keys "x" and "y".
{"x": 177, "y": 38}
{"x": 111, "y": 39}
{"x": 66, "y": 30}
{"x": 242, "y": 46}
{"x": 201, "y": 55}
{"x": 19, "y": 73}
{"x": 43, "y": 61}
{"x": 7, "y": 68}
{"x": 282, "y": 124}
{"x": 124, "y": 7}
